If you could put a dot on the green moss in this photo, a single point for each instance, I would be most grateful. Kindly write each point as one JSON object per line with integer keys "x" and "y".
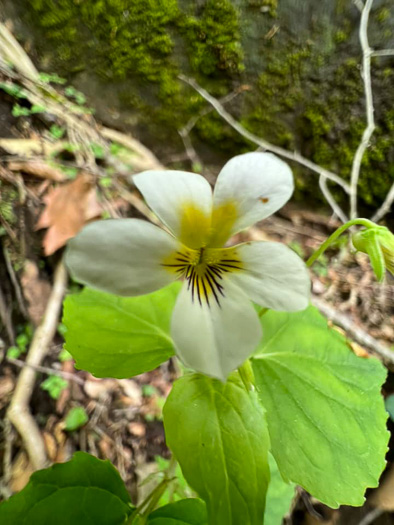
{"x": 306, "y": 100}
{"x": 266, "y": 6}
{"x": 213, "y": 39}
{"x": 305, "y": 94}
{"x": 138, "y": 42}
{"x": 383, "y": 14}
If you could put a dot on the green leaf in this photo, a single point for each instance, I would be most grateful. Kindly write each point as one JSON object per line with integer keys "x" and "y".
{"x": 56, "y": 131}
{"x": 14, "y": 352}
{"x": 113, "y": 336}
{"x": 83, "y": 491}
{"x": 75, "y": 419}
{"x": 54, "y": 385}
{"x": 37, "y": 109}
{"x": 279, "y": 496}
{"x": 218, "y": 434}
{"x": 19, "y": 111}
{"x": 51, "y": 77}
{"x": 185, "y": 512}
{"x": 325, "y": 414}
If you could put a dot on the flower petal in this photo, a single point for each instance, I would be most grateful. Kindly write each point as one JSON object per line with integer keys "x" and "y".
{"x": 215, "y": 339}
{"x": 274, "y": 276}
{"x": 182, "y": 200}
{"x": 249, "y": 188}
{"x": 121, "y": 256}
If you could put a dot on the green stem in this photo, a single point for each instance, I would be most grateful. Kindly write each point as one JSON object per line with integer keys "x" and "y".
{"x": 323, "y": 247}
{"x": 247, "y": 375}
{"x": 151, "y": 501}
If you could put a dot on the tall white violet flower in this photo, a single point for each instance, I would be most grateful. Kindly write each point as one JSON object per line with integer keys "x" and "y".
{"x": 214, "y": 324}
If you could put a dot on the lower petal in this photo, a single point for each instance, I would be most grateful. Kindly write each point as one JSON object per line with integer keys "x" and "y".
{"x": 121, "y": 256}
{"x": 273, "y": 276}
{"x": 215, "y": 337}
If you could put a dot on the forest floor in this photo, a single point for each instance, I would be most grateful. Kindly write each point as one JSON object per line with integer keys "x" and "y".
{"x": 45, "y": 198}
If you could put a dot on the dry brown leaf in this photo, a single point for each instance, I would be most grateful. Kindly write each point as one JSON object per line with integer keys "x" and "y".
{"x": 21, "y": 471}
{"x": 50, "y": 445}
{"x": 96, "y": 388}
{"x": 136, "y": 428}
{"x": 68, "y": 208}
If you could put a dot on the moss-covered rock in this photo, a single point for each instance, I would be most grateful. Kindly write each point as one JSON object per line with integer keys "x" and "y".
{"x": 301, "y": 60}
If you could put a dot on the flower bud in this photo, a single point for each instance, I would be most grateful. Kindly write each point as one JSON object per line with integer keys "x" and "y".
{"x": 378, "y": 243}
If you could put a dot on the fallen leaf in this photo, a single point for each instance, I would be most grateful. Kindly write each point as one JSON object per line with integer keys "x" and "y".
{"x": 68, "y": 208}
{"x": 132, "y": 390}
{"x": 21, "y": 471}
{"x": 96, "y": 388}
{"x": 50, "y": 445}
{"x": 136, "y": 429}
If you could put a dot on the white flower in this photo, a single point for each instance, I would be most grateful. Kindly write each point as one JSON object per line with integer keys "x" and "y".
{"x": 214, "y": 326}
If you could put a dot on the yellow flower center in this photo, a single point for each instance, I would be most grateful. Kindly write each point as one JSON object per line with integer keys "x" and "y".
{"x": 204, "y": 270}
{"x": 201, "y": 229}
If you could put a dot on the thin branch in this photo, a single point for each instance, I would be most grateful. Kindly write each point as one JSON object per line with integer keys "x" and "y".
{"x": 185, "y": 131}
{"x": 364, "y": 143}
{"x": 330, "y": 199}
{"x": 18, "y": 412}
{"x": 47, "y": 370}
{"x": 262, "y": 143}
{"x": 359, "y": 4}
{"x": 14, "y": 280}
{"x": 385, "y": 207}
{"x": 383, "y": 53}
{"x": 354, "y": 331}
{"x": 372, "y": 516}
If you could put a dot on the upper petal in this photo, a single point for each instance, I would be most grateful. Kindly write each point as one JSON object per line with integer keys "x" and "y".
{"x": 121, "y": 256}
{"x": 213, "y": 338}
{"x": 273, "y": 276}
{"x": 249, "y": 188}
{"x": 182, "y": 200}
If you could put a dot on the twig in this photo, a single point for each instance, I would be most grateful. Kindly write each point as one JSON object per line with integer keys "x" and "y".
{"x": 12, "y": 51}
{"x": 38, "y": 168}
{"x": 356, "y": 333}
{"x": 18, "y": 412}
{"x": 385, "y": 207}
{"x": 185, "y": 131}
{"x": 5, "y": 317}
{"x": 383, "y": 53}
{"x": 7, "y": 459}
{"x": 330, "y": 199}
{"x": 47, "y": 370}
{"x": 133, "y": 145}
{"x": 366, "y": 74}
{"x": 359, "y": 4}
{"x": 262, "y": 143}
{"x": 372, "y": 516}
{"x": 14, "y": 280}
